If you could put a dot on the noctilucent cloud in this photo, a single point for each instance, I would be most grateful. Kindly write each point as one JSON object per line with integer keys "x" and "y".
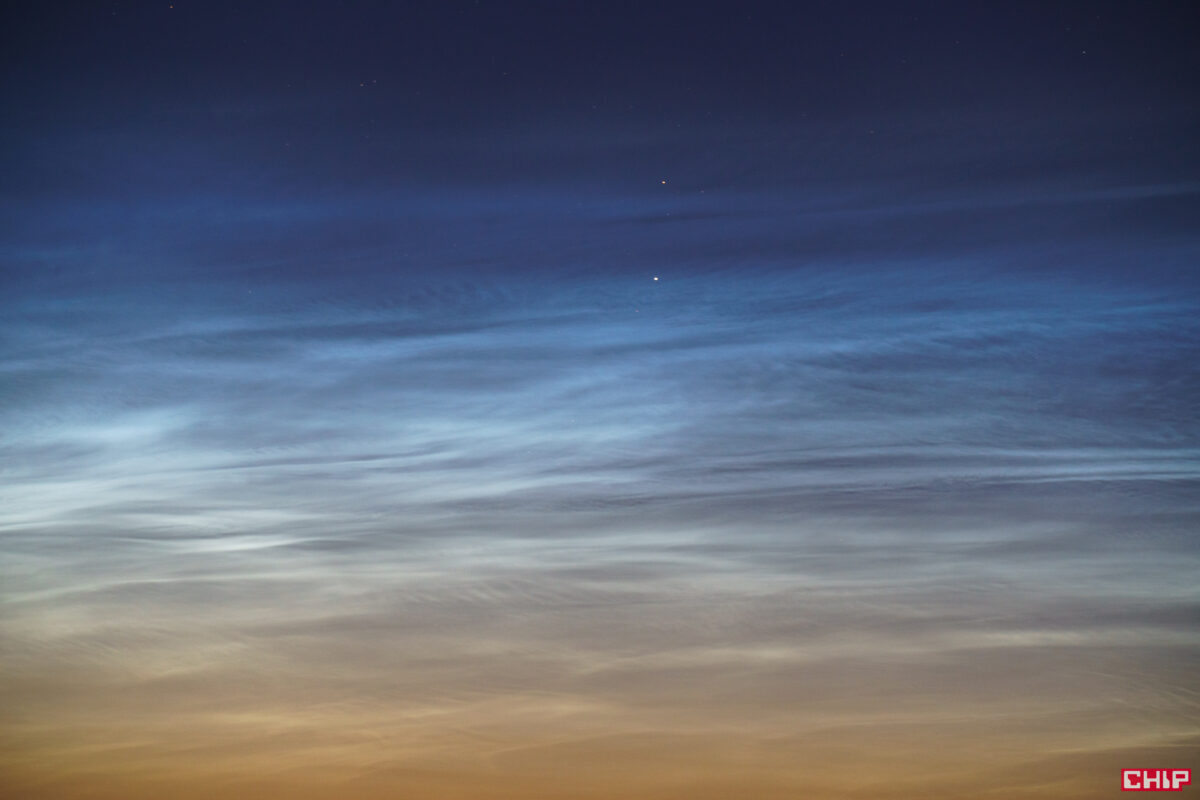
{"x": 513, "y": 400}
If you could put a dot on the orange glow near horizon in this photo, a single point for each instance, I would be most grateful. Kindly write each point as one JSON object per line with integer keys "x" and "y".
{"x": 509, "y": 686}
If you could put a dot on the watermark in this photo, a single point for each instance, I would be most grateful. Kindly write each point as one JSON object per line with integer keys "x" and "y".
{"x": 1155, "y": 780}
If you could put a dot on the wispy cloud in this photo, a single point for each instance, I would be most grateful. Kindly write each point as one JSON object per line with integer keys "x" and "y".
{"x": 438, "y": 478}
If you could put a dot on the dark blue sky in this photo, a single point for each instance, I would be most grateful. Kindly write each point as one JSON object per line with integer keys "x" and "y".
{"x": 415, "y": 398}
{"x": 382, "y": 141}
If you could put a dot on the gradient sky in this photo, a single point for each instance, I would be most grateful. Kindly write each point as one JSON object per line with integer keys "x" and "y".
{"x": 479, "y": 400}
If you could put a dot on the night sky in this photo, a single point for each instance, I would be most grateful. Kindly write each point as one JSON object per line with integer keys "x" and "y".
{"x": 478, "y": 400}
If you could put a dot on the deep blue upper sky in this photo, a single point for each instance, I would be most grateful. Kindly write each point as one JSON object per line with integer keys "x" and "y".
{"x": 456, "y": 133}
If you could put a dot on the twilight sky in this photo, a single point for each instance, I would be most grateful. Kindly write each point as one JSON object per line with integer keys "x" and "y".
{"x": 478, "y": 400}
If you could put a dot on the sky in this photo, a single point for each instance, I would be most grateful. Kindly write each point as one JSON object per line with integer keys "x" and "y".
{"x": 477, "y": 400}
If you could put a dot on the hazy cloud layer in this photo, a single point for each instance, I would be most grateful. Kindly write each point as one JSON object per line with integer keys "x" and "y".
{"x": 843, "y": 456}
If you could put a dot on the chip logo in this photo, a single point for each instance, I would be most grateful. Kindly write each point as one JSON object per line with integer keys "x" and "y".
{"x": 1155, "y": 780}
